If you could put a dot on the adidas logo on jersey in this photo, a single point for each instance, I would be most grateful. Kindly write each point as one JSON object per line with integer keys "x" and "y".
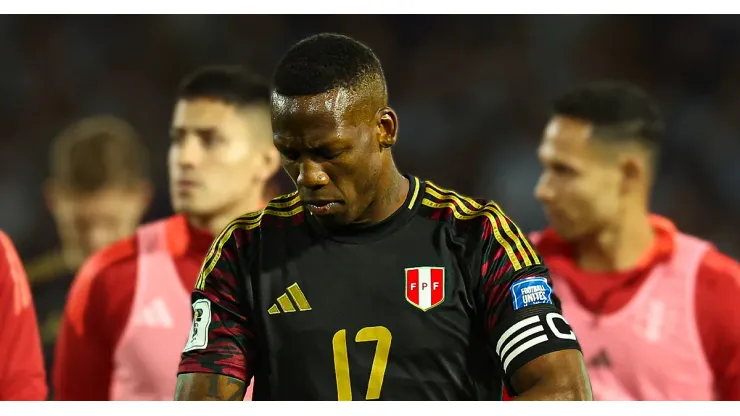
{"x": 284, "y": 303}
{"x": 155, "y": 315}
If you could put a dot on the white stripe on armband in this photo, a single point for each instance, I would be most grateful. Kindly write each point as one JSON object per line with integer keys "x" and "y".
{"x": 529, "y": 333}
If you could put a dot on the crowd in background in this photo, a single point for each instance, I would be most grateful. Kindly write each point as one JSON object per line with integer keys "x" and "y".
{"x": 471, "y": 92}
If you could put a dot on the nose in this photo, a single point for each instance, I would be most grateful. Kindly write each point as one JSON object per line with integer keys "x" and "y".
{"x": 311, "y": 175}
{"x": 542, "y": 191}
{"x": 190, "y": 152}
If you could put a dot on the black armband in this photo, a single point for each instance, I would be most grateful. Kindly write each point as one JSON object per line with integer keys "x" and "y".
{"x": 529, "y": 333}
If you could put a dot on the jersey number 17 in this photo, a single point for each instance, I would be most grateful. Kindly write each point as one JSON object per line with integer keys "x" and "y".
{"x": 379, "y": 334}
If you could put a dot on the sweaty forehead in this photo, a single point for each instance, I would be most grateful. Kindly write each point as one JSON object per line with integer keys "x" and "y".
{"x": 333, "y": 109}
{"x": 338, "y": 100}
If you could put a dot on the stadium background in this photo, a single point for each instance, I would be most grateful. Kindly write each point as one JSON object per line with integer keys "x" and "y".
{"x": 471, "y": 93}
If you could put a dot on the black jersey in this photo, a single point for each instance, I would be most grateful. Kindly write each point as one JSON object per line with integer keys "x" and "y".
{"x": 444, "y": 300}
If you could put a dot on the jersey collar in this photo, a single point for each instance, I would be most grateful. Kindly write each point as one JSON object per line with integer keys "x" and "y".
{"x": 183, "y": 237}
{"x": 367, "y": 233}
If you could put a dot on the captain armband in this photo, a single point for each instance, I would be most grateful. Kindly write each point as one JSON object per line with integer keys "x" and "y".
{"x": 529, "y": 333}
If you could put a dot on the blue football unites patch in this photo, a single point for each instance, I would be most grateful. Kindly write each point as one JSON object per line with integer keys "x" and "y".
{"x": 530, "y": 291}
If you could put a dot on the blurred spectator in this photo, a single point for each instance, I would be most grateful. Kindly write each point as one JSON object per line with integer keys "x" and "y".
{"x": 97, "y": 193}
{"x": 127, "y": 318}
{"x": 466, "y": 87}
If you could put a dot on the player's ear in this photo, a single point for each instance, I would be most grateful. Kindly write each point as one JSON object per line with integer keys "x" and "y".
{"x": 387, "y": 126}
{"x": 633, "y": 171}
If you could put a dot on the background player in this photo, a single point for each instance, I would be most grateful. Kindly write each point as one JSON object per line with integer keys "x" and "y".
{"x": 97, "y": 193}
{"x": 128, "y": 313}
{"x": 21, "y": 364}
{"x": 655, "y": 309}
{"x": 326, "y": 267}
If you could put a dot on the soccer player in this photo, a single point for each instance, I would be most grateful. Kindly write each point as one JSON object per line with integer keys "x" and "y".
{"x": 655, "y": 309}
{"x": 128, "y": 313}
{"x": 22, "y": 373}
{"x": 97, "y": 193}
{"x": 368, "y": 284}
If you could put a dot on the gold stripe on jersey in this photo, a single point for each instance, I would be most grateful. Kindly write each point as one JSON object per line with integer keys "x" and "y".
{"x": 247, "y": 222}
{"x": 486, "y": 212}
{"x": 436, "y": 190}
{"x": 214, "y": 254}
{"x": 524, "y": 240}
{"x": 518, "y": 239}
{"x": 284, "y": 201}
{"x": 243, "y": 218}
{"x": 495, "y": 210}
{"x": 416, "y": 193}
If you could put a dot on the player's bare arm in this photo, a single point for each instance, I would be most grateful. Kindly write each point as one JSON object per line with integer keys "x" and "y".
{"x": 560, "y": 375}
{"x": 209, "y": 387}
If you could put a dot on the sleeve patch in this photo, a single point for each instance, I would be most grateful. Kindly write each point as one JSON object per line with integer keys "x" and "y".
{"x": 531, "y": 291}
{"x": 198, "y": 338}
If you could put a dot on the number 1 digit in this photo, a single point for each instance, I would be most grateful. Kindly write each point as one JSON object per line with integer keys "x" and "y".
{"x": 341, "y": 366}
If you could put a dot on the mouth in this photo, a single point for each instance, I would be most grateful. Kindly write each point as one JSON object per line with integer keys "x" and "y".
{"x": 550, "y": 213}
{"x": 186, "y": 184}
{"x": 323, "y": 207}
{"x": 555, "y": 216}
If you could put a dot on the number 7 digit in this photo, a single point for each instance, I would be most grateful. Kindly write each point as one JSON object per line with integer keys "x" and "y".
{"x": 383, "y": 337}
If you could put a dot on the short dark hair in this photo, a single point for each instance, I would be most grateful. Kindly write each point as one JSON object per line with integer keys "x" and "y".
{"x": 326, "y": 61}
{"x": 232, "y": 84}
{"x": 618, "y": 111}
{"x": 97, "y": 153}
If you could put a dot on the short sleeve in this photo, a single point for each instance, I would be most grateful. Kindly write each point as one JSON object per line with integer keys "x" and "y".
{"x": 221, "y": 339}
{"x": 522, "y": 315}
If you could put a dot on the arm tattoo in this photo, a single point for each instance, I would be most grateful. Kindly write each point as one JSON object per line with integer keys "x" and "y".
{"x": 209, "y": 387}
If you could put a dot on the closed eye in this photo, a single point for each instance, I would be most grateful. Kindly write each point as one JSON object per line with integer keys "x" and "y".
{"x": 289, "y": 154}
{"x": 329, "y": 154}
{"x": 562, "y": 169}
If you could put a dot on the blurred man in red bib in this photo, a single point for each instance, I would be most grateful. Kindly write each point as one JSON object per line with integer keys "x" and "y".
{"x": 128, "y": 314}
{"x": 654, "y": 309}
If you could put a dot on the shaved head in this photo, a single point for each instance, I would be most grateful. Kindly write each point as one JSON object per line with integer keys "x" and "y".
{"x": 333, "y": 126}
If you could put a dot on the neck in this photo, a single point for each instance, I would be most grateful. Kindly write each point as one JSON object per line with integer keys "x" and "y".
{"x": 72, "y": 259}
{"x": 392, "y": 195}
{"x": 619, "y": 246}
{"x": 216, "y": 222}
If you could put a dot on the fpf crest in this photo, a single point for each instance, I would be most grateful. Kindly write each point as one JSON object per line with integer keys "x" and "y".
{"x": 425, "y": 286}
